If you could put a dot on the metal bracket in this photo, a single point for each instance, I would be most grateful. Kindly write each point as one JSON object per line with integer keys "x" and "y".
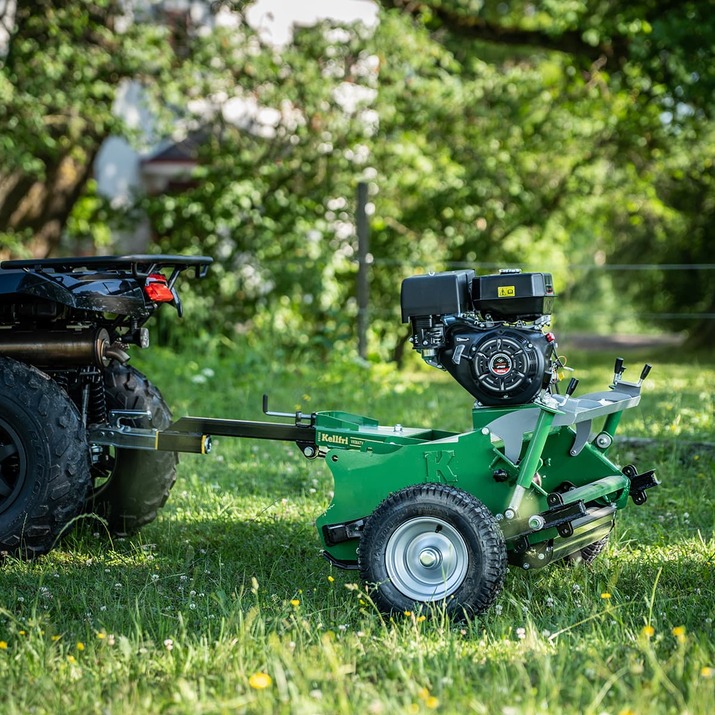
{"x": 117, "y": 416}
{"x": 559, "y": 516}
{"x": 348, "y": 565}
{"x": 639, "y": 483}
{"x": 583, "y": 431}
{"x": 337, "y": 533}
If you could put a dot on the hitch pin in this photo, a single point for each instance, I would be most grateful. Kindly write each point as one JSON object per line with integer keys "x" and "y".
{"x": 297, "y": 415}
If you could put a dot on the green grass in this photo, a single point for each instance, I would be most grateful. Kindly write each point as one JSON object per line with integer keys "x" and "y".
{"x": 229, "y": 582}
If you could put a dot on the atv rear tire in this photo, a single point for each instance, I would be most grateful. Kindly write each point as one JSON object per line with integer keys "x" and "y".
{"x": 44, "y": 460}
{"x": 131, "y": 485}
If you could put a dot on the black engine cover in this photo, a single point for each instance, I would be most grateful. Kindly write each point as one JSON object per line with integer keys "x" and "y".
{"x": 500, "y": 366}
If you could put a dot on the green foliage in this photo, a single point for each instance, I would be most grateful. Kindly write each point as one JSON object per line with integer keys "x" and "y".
{"x": 476, "y": 153}
{"x": 59, "y": 77}
{"x": 606, "y": 142}
{"x": 545, "y": 136}
{"x": 268, "y": 200}
{"x": 228, "y": 583}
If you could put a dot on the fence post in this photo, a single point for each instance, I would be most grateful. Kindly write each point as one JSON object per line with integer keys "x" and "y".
{"x": 363, "y": 286}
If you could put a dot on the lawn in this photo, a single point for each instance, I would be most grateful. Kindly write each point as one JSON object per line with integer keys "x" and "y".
{"x": 225, "y": 605}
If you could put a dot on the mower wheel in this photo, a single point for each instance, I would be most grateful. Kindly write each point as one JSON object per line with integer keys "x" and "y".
{"x": 131, "y": 485}
{"x": 44, "y": 460}
{"x": 433, "y": 543}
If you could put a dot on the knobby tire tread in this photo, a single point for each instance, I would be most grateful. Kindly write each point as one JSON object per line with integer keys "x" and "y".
{"x": 142, "y": 481}
{"x": 63, "y": 480}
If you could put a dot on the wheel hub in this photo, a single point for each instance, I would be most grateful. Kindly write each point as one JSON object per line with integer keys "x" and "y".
{"x": 426, "y": 559}
{"x": 430, "y": 558}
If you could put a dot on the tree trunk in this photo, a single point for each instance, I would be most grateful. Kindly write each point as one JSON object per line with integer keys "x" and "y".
{"x": 35, "y": 203}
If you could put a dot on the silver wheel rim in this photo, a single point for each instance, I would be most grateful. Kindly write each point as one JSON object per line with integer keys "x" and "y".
{"x": 426, "y": 559}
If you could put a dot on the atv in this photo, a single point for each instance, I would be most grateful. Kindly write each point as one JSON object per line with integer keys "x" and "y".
{"x": 65, "y": 327}
{"x": 425, "y": 515}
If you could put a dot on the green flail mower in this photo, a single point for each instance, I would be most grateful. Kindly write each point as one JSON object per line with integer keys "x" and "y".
{"x": 425, "y": 515}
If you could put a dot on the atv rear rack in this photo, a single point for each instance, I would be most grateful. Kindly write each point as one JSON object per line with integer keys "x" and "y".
{"x": 138, "y": 264}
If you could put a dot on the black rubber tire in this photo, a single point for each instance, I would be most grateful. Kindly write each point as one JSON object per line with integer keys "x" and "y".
{"x": 415, "y": 517}
{"x": 44, "y": 460}
{"x": 130, "y": 486}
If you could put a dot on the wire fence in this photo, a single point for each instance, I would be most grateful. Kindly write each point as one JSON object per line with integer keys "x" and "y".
{"x": 686, "y": 317}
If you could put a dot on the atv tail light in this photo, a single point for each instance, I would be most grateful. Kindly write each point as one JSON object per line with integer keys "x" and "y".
{"x": 157, "y": 289}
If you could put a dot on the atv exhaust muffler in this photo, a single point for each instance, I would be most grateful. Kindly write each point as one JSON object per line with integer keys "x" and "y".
{"x": 65, "y": 348}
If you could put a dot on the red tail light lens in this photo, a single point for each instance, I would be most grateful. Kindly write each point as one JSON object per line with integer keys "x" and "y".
{"x": 157, "y": 289}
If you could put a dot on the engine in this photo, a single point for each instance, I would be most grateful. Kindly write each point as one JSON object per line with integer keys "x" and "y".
{"x": 486, "y": 331}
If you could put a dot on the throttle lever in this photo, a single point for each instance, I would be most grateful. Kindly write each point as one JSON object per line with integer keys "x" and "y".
{"x": 573, "y": 384}
{"x": 645, "y": 372}
{"x": 618, "y": 370}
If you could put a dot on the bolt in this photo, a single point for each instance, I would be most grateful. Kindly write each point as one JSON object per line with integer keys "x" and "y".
{"x": 536, "y": 522}
{"x": 429, "y": 558}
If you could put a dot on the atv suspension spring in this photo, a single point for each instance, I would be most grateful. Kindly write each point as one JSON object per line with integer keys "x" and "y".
{"x": 97, "y": 405}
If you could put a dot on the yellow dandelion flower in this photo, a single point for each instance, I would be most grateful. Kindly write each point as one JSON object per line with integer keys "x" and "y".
{"x": 22, "y": 633}
{"x": 80, "y": 645}
{"x": 260, "y": 681}
{"x": 3, "y": 645}
{"x": 648, "y": 631}
{"x": 431, "y": 702}
{"x": 101, "y": 636}
{"x": 330, "y": 579}
{"x": 626, "y": 711}
{"x": 679, "y": 633}
{"x": 421, "y": 618}
{"x": 71, "y": 659}
{"x": 295, "y": 602}
{"x": 55, "y": 638}
{"x": 408, "y": 613}
{"x": 605, "y": 596}
{"x": 707, "y": 672}
{"x": 423, "y": 694}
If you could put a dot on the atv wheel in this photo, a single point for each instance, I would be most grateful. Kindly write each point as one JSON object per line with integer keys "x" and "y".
{"x": 44, "y": 460}
{"x": 433, "y": 543}
{"x": 131, "y": 485}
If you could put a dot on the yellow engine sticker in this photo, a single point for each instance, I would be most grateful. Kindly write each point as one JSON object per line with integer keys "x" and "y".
{"x": 506, "y": 291}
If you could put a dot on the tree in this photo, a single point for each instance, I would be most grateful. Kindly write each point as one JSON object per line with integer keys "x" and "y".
{"x": 58, "y": 82}
{"x": 649, "y": 72}
{"x": 491, "y": 134}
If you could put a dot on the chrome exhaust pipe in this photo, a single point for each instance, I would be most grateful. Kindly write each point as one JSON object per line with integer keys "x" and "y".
{"x": 65, "y": 348}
